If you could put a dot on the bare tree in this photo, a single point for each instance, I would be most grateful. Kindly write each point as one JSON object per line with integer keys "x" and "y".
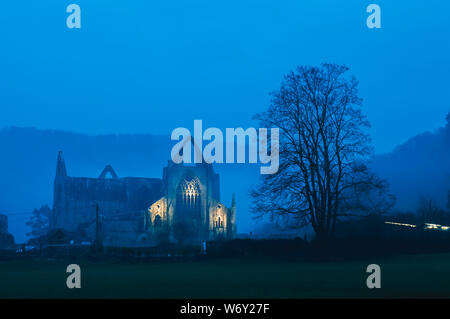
{"x": 39, "y": 222}
{"x": 324, "y": 148}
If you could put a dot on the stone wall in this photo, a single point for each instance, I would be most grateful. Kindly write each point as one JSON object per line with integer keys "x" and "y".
{"x": 76, "y": 199}
{"x": 121, "y": 204}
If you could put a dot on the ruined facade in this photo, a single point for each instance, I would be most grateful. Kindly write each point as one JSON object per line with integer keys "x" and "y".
{"x": 184, "y": 206}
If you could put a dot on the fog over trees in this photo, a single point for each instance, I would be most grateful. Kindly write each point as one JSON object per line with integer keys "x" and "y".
{"x": 419, "y": 168}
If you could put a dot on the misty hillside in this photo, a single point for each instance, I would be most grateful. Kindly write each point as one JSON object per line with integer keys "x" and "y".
{"x": 28, "y": 163}
{"x": 419, "y": 167}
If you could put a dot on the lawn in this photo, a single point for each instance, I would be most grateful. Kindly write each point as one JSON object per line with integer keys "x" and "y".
{"x": 406, "y": 276}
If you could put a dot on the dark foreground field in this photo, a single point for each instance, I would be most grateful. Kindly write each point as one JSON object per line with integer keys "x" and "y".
{"x": 407, "y": 276}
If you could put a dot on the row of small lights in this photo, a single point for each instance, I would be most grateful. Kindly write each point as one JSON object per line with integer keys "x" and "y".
{"x": 436, "y": 226}
{"x": 427, "y": 225}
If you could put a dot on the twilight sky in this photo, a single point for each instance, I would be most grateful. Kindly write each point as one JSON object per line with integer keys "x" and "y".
{"x": 151, "y": 66}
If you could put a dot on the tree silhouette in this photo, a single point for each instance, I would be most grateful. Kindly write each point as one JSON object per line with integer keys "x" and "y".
{"x": 39, "y": 222}
{"x": 324, "y": 150}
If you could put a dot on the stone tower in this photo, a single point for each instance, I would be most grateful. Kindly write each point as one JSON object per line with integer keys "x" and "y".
{"x": 58, "y": 189}
{"x": 191, "y": 206}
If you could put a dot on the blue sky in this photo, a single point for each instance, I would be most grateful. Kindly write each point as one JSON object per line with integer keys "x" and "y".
{"x": 151, "y": 66}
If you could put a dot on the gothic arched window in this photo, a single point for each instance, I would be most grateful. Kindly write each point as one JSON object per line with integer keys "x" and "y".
{"x": 188, "y": 197}
{"x": 219, "y": 223}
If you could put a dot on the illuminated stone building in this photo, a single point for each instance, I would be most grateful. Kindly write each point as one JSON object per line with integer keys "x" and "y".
{"x": 190, "y": 207}
{"x": 184, "y": 206}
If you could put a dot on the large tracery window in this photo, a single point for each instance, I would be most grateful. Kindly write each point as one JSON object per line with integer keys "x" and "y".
{"x": 188, "y": 197}
{"x": 219, "y": 223}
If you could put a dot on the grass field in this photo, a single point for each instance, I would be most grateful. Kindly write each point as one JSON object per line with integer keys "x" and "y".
{"x": 406, "y": 276}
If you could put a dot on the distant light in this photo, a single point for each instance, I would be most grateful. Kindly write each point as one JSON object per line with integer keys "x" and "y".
{"x": 400, "y": 224}
{"x": 436, "y": 226}
{"x": 427, "y": 226}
